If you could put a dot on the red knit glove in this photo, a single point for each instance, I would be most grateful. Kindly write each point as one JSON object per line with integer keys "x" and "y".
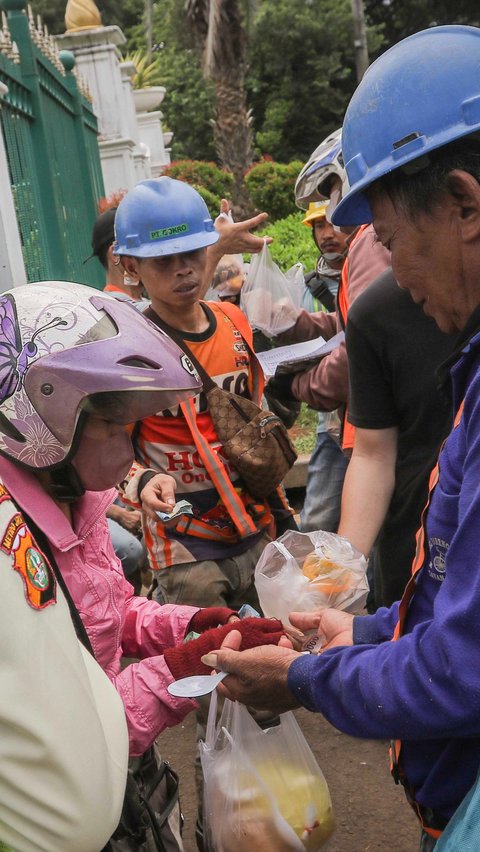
{"x": 211, "y": 616}
{"x": 185, "y": 660}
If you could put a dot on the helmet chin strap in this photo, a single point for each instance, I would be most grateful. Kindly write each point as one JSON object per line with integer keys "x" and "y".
{"x": 65, "y": 484}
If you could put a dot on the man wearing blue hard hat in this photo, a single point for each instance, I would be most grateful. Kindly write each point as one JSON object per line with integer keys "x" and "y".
{"x": 411, "y": 673}
{"x": 162, "y": 233}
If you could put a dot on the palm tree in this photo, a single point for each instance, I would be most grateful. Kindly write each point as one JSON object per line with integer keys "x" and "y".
{"x": 218, "y": 29}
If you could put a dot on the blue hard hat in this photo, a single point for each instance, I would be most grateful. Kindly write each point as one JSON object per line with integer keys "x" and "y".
{"x": 420, "y": 95}
{"x": 160, "y": 217}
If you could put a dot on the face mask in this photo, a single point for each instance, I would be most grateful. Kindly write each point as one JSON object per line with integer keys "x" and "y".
{"x": 102, "y": 464}
{"x": 332, "y": 255}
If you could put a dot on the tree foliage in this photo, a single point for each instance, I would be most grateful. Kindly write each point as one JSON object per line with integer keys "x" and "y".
{"x": 188, "y": 104}
{"x": 401, "y": 18}
{"x": 302, "y": 73}
{"x": 271, "y": 187}
{"x": 218, "y": 181}
{"x": 300, "y": 70}
{"x": 292, "y": 242}
{"x": 124, "y": 15}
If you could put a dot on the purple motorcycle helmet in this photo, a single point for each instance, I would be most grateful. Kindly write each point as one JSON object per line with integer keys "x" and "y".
{"x": 67, "y": 351}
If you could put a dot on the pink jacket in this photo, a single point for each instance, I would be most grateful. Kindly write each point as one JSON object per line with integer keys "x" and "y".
{"x": 117, "y": 622}
{"x": 325, "y": 386}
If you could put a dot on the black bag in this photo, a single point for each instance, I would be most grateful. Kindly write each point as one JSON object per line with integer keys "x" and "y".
{"x": 151, "y": 819}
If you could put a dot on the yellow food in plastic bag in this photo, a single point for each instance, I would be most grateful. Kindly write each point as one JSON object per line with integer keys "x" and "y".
{"x": 327, "y": 576}
{"x": 253, "y": 823}
{"x": 303, "y": 802}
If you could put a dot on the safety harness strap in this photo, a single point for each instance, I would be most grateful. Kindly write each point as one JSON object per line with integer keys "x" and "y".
{"x": 219, "y": 476}
{"x": 431, "y": 822}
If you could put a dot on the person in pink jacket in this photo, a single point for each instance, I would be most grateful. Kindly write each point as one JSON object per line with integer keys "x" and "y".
{"x": 76, "y": 367}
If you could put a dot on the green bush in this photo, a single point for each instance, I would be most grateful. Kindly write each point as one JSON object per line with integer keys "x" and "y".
{"x": 304, "y": 432}
{"x": 198, "y": 173}
{"x": 292, "y": 242}
{"x": 210, "y": 198}
{"x": 271, "y": 187}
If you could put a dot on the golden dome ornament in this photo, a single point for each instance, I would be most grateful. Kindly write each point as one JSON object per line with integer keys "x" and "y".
{"x": 82, "y": 15}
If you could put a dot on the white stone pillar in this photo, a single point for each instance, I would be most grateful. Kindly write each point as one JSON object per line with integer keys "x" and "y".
{"x": 118, "y": 164}
{"x": 151, "y": 133}
{"x": 127, "y": 72}
{"x": 167, "y": 141}
{"x": 149, "y": 121}
{"x": 141, "y": 153}
{"x": 12, "y": 267}
{"x": 99, "y": 61}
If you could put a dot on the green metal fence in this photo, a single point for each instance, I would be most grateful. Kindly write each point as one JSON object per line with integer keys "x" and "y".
{"x": 50, "y": 134}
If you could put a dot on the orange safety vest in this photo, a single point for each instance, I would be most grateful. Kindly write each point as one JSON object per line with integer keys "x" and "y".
{"x": 248, "y": 517}
{"x": 418, "y": 562}
{"x": 343, "y": 302}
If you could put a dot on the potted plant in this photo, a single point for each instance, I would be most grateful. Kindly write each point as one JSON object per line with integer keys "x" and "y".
{"x": 147, "y": 94}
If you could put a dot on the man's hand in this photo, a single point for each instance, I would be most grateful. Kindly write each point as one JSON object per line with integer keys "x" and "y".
{"x": 235, "y": 237}
{"x": 187, "y": 659}
{"x": 130, "y": 520}
{"x": 280, "y": 386}
{"x": 158, "y": 495}
{"x": 258, "y": 677}
{"x": 332, "y": 624}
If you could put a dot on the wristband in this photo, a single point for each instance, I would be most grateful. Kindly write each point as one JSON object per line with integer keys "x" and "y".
{"x": 144, "y": 480}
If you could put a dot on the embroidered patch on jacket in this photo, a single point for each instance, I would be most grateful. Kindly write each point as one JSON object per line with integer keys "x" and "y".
{"x": 38, "y": 578}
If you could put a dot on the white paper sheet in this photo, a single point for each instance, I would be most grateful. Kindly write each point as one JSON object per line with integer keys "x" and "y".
{"x": 293, "y": 356}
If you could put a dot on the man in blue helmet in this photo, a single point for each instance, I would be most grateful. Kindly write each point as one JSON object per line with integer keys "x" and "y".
{"x": 163, "y": 230}
{"x": 412, "y": 151}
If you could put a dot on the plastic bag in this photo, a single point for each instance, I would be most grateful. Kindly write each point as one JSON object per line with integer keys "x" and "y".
{"x": 266, "y": 297}
{"x": 296, "y": 283}
{"x": 263, "y": 788}
{"x": 304, "y": 572}
{"x": 229, "y": 273}
{"x": 229, "y": 276}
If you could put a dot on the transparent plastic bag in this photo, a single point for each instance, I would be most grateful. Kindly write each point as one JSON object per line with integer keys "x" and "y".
{"x": 266, "y": 298}
{"x": 304, "y": 572}
{"x": 333, "y": 425}
{"x": 263, "y": 788}
{"x": 230, "y": 271}
{"x": 296, "y": 283}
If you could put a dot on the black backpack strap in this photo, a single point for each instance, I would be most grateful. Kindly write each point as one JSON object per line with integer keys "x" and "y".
{"x": 177, "y": 338}
{"x": 319, "y": 289}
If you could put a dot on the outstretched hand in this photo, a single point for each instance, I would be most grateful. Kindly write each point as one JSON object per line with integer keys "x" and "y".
{"x": 187, "y": 659}
{"x": 334, "y": 626}
{"x": 236, "y": 237}
{"x": 258, "y": 677}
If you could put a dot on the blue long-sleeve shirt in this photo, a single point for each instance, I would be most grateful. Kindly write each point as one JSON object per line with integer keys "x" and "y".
{"x": 425, "y": 688}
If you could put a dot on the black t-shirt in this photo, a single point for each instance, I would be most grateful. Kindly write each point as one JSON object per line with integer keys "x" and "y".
{"x": 394, "y": 351}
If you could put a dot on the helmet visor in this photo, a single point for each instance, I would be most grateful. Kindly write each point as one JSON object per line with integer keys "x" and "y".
{"x": 128, "y": 406}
